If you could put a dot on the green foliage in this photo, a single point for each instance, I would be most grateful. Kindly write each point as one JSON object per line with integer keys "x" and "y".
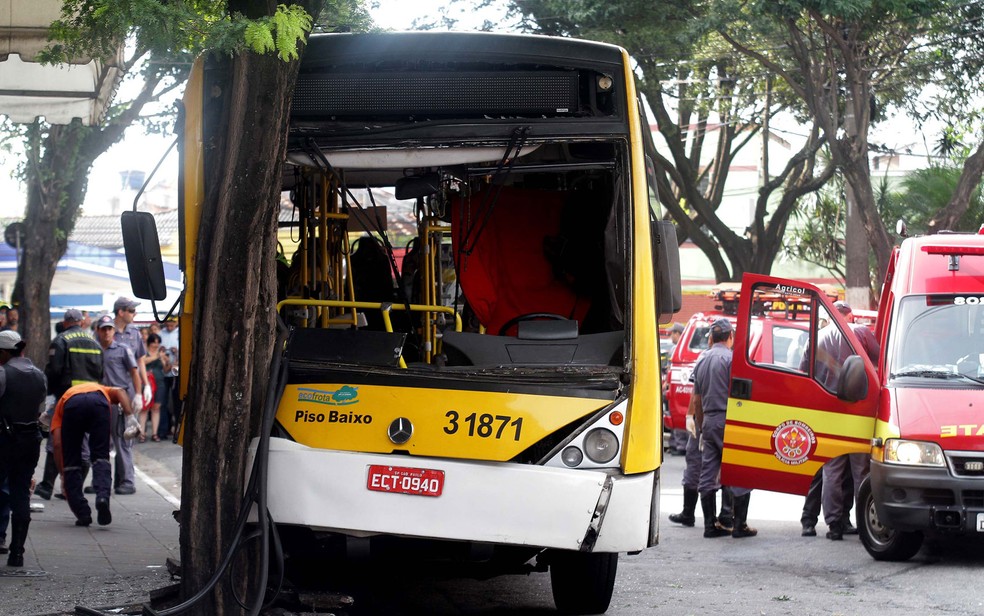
{"x": 926, "y": 191}
{"x": 818, "y": 235}
{"x": 280, "y": 32}
{"x": 97, "y": 28}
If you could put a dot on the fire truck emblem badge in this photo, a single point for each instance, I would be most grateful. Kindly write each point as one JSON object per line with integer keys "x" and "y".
{"x": 793, "y": 442}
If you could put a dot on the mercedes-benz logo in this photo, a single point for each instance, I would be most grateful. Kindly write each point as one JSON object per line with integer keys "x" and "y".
{"x": 400, "y": 430}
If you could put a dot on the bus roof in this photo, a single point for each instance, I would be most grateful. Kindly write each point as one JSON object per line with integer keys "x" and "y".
{"x": 327, "y": 49}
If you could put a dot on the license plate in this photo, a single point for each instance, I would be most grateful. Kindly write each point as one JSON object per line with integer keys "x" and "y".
{"x": 980, "y": 522}
{"x": 404, "y": 480}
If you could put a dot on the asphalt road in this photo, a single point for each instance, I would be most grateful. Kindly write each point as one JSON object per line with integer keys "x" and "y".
{"x": 778, "y": 572}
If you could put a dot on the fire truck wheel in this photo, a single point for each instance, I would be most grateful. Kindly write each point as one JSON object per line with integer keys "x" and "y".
{"x": 882, "y": 542}
{"x": 582, "y": 582}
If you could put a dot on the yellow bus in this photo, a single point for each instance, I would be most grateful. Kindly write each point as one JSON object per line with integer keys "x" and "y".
{"x": 473, "y": 303}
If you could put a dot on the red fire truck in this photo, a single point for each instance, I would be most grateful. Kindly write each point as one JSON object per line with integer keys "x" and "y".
{"x": 916, "y": 413}
{"x": 777, "y": 336}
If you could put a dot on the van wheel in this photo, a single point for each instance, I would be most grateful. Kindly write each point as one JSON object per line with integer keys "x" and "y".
{"x": 882, "y": 542}
{"x": 582, "y": 582}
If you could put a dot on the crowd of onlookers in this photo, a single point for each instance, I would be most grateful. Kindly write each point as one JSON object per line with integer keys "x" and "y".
{"x": 107, "y": 383}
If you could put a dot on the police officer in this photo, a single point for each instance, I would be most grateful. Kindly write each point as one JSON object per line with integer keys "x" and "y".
{"x": 120, "y": 370}
{"x": 74, "y": 357}
{"x": 712, "y": 379}
{"x": 22, "y": 391}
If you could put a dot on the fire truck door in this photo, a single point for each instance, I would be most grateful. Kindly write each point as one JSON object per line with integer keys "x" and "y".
{"x": 815, "y": 399}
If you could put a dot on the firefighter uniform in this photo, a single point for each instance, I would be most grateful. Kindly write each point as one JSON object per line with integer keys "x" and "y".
{"x": 74, "y": 357}
{"x": 712, "y": 380}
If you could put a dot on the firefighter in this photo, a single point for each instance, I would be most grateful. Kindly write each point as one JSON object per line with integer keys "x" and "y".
{"x": 712, "y": 377}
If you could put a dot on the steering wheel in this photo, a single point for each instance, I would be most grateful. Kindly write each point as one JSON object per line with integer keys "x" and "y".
{"x": 528, "y": 317}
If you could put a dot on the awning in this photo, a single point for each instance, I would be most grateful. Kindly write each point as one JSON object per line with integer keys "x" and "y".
{"x": 28, "y": 89}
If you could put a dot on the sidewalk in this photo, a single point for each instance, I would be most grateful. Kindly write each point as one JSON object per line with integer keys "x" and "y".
{"x": 98, "y": 566}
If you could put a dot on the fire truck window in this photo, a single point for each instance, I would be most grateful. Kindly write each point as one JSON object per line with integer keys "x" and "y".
{"x": 701, "y": 338}
{"x": 779, "y": 330}
{"x": 788, "y": 346}
{"x": 832, "y": 350}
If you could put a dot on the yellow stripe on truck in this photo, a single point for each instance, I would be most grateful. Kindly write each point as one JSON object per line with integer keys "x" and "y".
{"x": 761, "y": 438}
{"x": 768, "y": 462}
{"x": 475, "y": 425}
{"x": 821, "y": 422}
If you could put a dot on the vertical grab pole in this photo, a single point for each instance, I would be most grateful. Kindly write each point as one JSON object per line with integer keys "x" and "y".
{"x": 323, "y": 243}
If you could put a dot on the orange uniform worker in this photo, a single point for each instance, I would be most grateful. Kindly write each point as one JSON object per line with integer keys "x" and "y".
{"x": 84, "y": 409}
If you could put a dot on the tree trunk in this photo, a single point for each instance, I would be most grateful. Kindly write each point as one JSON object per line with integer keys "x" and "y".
{"x": 234, "y": 322}
{"x": 57, "y": 175}
{"x": 857, "y": 175}
{"x": 948, "y": 217}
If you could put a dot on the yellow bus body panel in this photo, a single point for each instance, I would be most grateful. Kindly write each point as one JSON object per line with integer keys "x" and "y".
{"x": 447, "y": 423}
{"x": 643, "y": 428}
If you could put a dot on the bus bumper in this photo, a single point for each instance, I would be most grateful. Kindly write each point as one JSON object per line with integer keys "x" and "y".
{"x": 493, "y": 502}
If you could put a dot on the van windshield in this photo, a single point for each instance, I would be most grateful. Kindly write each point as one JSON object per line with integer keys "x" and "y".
{"x": 939, "y": 337}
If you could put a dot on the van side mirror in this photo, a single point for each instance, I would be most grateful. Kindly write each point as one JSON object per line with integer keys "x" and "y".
{"x": 143, "y": 255}
{"x": 853, "y": 383}
{"x": 666, "y": 256}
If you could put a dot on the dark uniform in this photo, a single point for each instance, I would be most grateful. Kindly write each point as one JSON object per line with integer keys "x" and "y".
{"x": 84, "y": 411}
{"x": 74, "y": 357}
{"x": 22, "y": 391}
{"x": 712, "y": 381}
{"x": 691, "y": 482}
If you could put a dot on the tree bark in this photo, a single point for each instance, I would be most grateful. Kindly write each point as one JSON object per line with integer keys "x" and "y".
{"x": 949, "y": 216}
{"x": 234, "y": 312}
{"x": 57, "y": 175}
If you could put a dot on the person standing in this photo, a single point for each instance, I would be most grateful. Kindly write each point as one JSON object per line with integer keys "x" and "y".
{"x": 120, "y": 371}
{"x": 84, "y": 410}
{"x": 22, "y": 391}
{"x": 127, "y": 334}
{"x": 170, "y": 408}
{"x": 852, "y": 468}
{"x": 74, "y": 357}
{"x": 156, "y": 364}
{"x": 678, "y": 437}
{"x": 691, "y": 476}
{"x": 712, "y": 380}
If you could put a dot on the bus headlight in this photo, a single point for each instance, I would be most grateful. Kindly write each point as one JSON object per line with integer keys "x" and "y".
{"x": 600, "y": 445}
{"x": 915, "y": 453}
{"x": 571, "y": 456}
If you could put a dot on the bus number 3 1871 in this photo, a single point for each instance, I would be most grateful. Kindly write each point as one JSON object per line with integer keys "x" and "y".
{"x": 485, "y": 425}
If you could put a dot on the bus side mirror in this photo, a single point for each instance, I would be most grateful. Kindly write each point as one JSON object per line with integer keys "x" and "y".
{"x": 666, "y": 253}
{"x": 143, "y": 255}
{"x": 853, "y": 383}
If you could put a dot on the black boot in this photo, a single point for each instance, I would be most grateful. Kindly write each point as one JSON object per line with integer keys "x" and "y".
{"x": 727, "y": 517}
{"x": 18, "y": 536}
{"x": 742, "y": 529}
{"x": 687, "y": 517}
{"x": 712, "y": 528}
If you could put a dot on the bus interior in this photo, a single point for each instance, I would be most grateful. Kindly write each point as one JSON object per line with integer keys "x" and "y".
{"x": 517, "y": 263}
